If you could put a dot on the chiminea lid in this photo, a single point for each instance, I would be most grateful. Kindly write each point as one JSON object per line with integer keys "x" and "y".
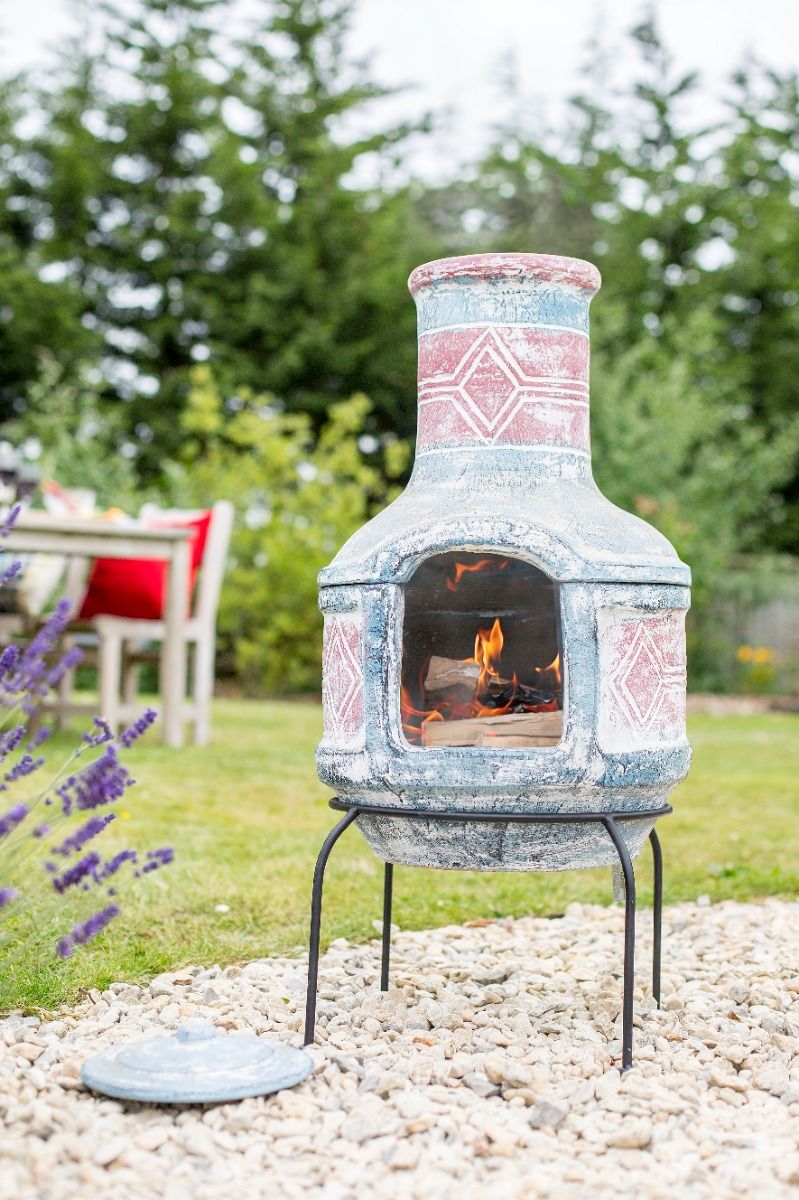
{"x": 196, "y": 1065}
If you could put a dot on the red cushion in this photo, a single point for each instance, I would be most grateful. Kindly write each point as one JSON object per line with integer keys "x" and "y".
{"x": 136, "y": 587}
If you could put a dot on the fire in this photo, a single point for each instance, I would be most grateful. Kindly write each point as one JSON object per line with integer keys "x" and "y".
{"x": 550, "y": 675}
{"x": 483, "y": 564}
{"x": 487, "y": 651}
{"x": 493, "y": 696}
{"x": 411, "y": 724}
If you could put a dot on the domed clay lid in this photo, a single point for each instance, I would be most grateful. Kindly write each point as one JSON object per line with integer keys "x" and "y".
{"x": 196, "y": 1065}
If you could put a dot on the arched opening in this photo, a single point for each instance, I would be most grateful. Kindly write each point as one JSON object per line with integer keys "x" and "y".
{"x": 481, "y": 654}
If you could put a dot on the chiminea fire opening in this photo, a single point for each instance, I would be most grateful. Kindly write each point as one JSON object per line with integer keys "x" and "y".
{"x": 481, "y": 654}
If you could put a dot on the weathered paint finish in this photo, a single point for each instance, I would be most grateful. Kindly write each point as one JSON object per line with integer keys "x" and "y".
{"x": 503, "y": 465}
{"x": 342, "y": 676}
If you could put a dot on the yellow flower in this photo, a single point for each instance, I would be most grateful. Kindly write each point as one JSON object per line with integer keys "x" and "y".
{"x": 744, "y": 654}
{"x": 762, "y": 654}
{"x": 125, "y": 816}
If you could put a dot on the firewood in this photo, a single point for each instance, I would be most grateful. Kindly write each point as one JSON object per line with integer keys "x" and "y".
{"x": 458, "y": 678}
{"x": 446, "y": 673}
{"x": 513, "y": 731}
{"x": 501, "y": 692}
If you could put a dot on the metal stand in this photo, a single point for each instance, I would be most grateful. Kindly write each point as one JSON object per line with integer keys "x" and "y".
{"x": 610, "y": 822}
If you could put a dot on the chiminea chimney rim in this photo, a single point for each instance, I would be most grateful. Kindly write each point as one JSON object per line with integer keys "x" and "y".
{"x": 553, "y": 269}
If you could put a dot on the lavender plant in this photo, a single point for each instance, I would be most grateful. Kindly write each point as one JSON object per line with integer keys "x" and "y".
{"x": 51, "y": 834}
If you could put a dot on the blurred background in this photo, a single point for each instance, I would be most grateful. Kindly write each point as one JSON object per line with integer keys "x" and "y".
{"x": 209, "y": 209}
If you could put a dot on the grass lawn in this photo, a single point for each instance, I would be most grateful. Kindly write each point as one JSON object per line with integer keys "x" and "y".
{"x": 247, "y": 815}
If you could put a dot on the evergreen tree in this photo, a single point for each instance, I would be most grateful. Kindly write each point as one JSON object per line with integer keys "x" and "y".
{"x": 314, "y": 307}
{"x": 41, "y": 302}
{"x": 202, "y": 202}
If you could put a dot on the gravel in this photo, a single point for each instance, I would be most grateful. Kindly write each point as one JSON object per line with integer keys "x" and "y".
{"x": 488, "y": 1068}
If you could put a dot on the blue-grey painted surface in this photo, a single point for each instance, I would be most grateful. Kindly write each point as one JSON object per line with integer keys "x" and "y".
{"x": 197, "y": 1065}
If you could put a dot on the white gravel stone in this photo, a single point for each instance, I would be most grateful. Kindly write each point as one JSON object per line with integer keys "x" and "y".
{"x": 170, "y": 1014}
{"x": 109, "y": 1150}
{"x": 545, "y": 1115}
{"x": 632, "y": 1136}
{"x": 490, "y": 1068}
{"x": 28, "y": 1051}
{"x": 152, "y": 1138}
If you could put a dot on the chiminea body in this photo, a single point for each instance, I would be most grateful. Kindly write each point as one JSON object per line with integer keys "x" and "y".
{"x": 502, "y": 637}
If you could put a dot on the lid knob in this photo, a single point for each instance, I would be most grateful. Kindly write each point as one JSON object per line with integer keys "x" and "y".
{"x": 196, "y": 1031}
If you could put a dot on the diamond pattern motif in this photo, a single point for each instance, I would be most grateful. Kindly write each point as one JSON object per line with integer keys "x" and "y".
{"x": 643, "y": 669}
{"x": 489, "y": 395}
{"x": 489, "y": 386}
{"x": 342, "y": 675}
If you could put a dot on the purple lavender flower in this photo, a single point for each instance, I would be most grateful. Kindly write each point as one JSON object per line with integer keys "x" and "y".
{"x": 31, "y": 667}
{"x": 66, "y": 663}
{"x": 112, "y": 866}
{"x": 25, "y": 765}
{"x": 8, "y": 659}
{"x": 77, "y": 873}
{"x": 13, "y": 818}
{"x": 103, "y": 733}
{"x": 25, "y": 677}
{"x": 82, "y": 835}
{"x": 10, "y": 740}
{"x": 157, "y": 858}
{"x": 139, "y": 727}
{"x": 86, "y": 930}
{"x": 9, "y": 573}
{"x": 8, "y": 522}
{"x": 103, "y": 782}
{"x": 40, "y": 737}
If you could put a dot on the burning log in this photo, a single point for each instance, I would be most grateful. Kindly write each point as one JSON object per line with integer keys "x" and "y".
{"x": 459, "y": 678}
{"x": 511, "y": 731}
{"x": 444, "y": 674}
{"x": 503, "y": 692}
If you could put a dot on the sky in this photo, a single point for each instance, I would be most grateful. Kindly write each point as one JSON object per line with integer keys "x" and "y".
{"x": 450, "y": 55}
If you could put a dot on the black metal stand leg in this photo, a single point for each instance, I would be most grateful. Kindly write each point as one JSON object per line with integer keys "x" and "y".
{"x": 316, "y": 921}
{"x": 657, "y": 936}
{"x": 388, "y": 889}
{"x": 629, "y": 942}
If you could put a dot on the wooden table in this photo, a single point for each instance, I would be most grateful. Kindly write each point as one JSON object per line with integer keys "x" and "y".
{"x": 38, "y": 532}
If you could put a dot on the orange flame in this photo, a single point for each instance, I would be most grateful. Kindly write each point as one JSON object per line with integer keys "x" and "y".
{"x": 462, "y": 569}
{"x": 550, "y": 675}
{"x": 487, "y": 650}
{"x": 410, "y": 726}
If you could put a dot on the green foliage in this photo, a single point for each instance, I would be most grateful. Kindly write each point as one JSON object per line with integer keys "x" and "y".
{"x": 76, "y": 439}
{"x": 298, "y": 496}
{"x": 36, "y": 311}
{"x": 681, "y": 220}
{"x": 200, "y": 200}
{"x": 673, "y": 444}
